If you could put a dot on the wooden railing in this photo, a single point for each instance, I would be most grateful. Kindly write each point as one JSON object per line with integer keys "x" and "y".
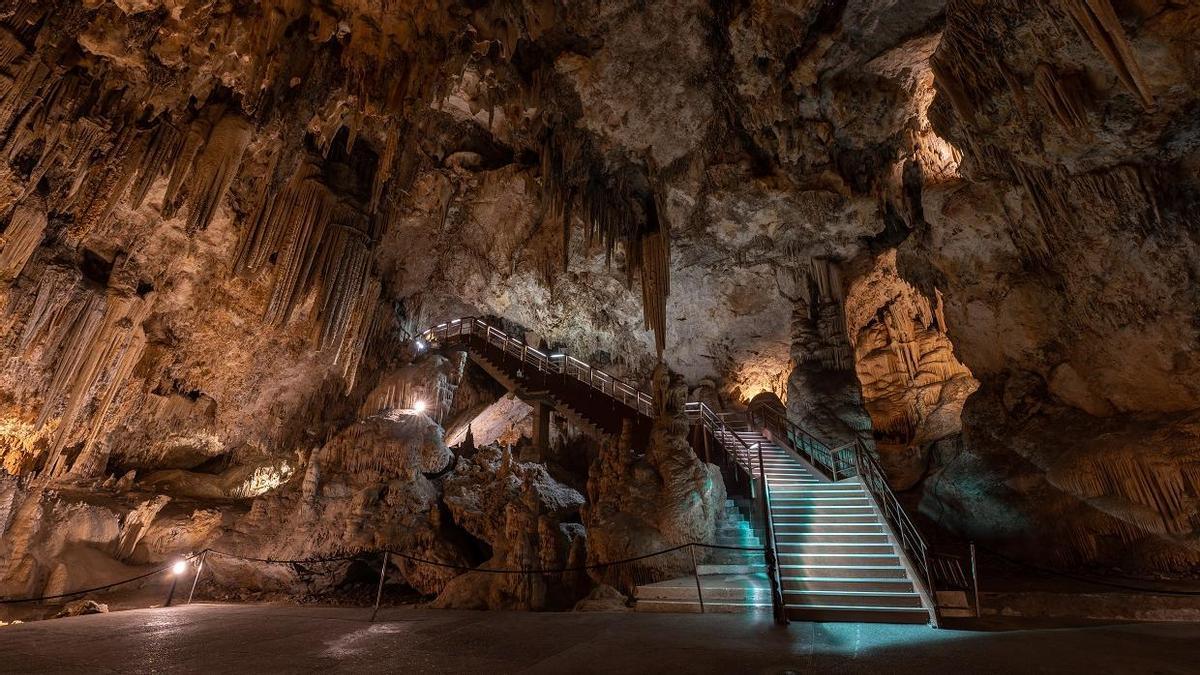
{"x": 935, "y": 569}
{"x": 561, "y": 364}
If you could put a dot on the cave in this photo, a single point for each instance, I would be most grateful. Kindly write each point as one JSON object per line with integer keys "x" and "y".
{"x": 552, "y": 324}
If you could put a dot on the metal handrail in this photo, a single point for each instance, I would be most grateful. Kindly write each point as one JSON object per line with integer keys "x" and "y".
{"x": 559, "y": 364}
{"x": 744, "y": 456}
{"x": 642, "y": 402}
{"x": 832, "y": 464}
{"x": 934, "y": 568}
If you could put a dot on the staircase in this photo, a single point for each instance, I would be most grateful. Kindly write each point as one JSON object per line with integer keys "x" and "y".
{"x": 730, "y": 581}
{"x": 590, "y": 399}
{"x": 836, "y": 560}
{"x": 837, "y": 557}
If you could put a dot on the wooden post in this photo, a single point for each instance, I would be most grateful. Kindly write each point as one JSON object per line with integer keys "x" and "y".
{"x": 195, "y": 581}
{"x": 379, "y": 591}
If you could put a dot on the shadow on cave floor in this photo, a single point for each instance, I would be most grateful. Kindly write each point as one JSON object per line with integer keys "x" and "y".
{"x": 275, "y": 638}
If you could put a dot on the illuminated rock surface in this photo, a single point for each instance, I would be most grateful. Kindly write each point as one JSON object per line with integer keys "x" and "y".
{"x": 961, "y": 231}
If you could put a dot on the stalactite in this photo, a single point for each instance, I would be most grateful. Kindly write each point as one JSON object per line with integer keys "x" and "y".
{"x": 21, "y": 237}
{"x": 1155, "y": 495}
{"x": 193, "y": 143}
{"x": 324, "y": 244}
{"x": 216, "y": 168}
{"x": 88, "y": 136}
{"x": 1065, "y": 96}
{"x": 1098, "y": 22}
{"x": 963, "y": 64}
{"x": 614, "y": 213}
{"x": 57, "y": 291}
{"x": 301, "y": 216}
{"x": 656, "y": 284}
{"x": 22, "y": 91}
{"x": 162, "y": 151}
{"x": 359, "y": 331}
{"x": 103, "y": 342}
{"x": 106, "y": 186}
{"x": 11, "y": 48}
{"x": 826, "y": 281}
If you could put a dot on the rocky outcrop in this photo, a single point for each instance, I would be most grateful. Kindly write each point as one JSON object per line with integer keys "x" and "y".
{"x": 960, "y": 231}
{"x": 642, "y": 503}
{"x": 913, "y": 385}
{"x": 529, "y": 521}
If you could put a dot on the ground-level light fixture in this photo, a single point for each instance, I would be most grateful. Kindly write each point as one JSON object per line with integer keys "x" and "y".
{"x": 420, "y": 345}
{"x": 177, "y": 569}
{"x": 419, "y": 406}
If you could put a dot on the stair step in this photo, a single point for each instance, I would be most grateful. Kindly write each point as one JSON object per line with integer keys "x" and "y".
{"x": 793, "y": 537}
{"x": 855, "y": 571}
{"x": 830, "y": 548}
{"x": 825, "y": 508}
{"x": 846, "y": 584}
{"x": 836, "y": 559}
{"x": 819, "y": 500}
{"x": 693, "y": 607}
{"x": 853, "y": 598}
{"x": 857, "y": 614}
{"x": 758, "y": 567}
{"x": 816, "y": 518}
{"x": 829, "y": 488}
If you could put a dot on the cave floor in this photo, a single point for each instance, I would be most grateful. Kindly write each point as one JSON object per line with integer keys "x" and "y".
{"x": 278, "y": 638}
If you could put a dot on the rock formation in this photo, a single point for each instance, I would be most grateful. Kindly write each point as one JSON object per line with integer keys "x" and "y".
{"x": 641, "y": 503}
{"x": 960, "y": 231}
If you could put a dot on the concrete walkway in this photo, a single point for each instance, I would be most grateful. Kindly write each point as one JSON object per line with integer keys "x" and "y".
{"x": 214, "y": 638}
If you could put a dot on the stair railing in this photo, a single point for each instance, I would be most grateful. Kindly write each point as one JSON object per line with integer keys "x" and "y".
{"x": 609, "y": 385}
{"x": 745, "y": 457}
{"x": 934, "y": 570}
{"x": 834, "y": 465}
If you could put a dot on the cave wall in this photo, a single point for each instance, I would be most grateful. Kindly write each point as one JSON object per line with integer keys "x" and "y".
{"x": 960, "y": 231}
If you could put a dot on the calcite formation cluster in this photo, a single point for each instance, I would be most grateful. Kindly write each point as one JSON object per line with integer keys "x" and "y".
{"x": 960, "y": 231}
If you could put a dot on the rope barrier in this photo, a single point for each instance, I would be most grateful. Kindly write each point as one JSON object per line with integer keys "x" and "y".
{"x": 1089, "y": 580}
{"x": 411, "y": 558}
{"x": 467, "y": 568}
{"x": 305, "y": 561}
{"x": 14, "y": 601}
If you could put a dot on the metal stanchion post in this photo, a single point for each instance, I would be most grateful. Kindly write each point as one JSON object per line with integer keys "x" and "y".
{"x": 696, "y": 574}
{"x": 975, "y": 583}
{"x": 199, "y": 569}
{"x": 171, "y": 593}
{"x": 379, "y": 591}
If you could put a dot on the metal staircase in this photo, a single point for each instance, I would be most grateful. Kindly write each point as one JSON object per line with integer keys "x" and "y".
{"x": 590, "y": 399}
{"x": 836, "y": 542}
{"x": 836, "y": 560}
{"x": 728, "y": 581}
